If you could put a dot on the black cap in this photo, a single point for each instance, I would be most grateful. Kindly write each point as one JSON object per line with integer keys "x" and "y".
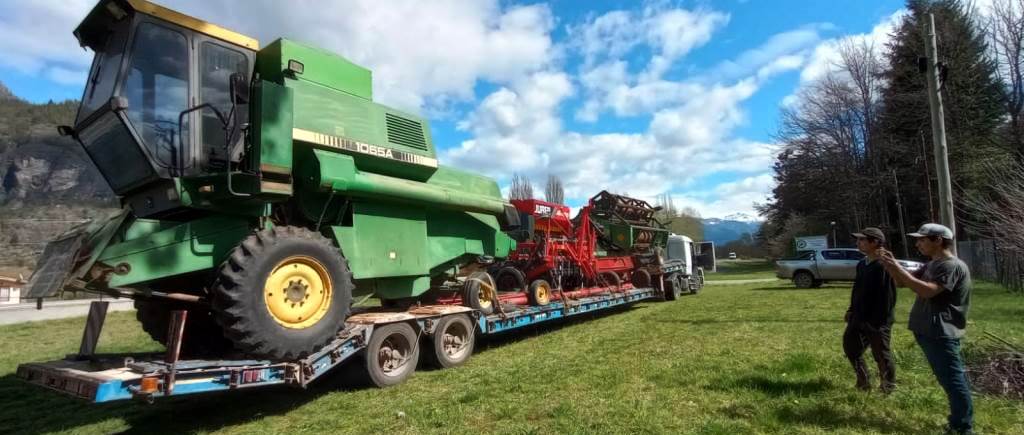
{"x": 871, "y": 232}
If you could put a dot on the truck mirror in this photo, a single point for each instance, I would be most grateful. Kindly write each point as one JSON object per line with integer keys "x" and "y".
{"x": 239, "y": 84}
{"x": 66, "y": 130}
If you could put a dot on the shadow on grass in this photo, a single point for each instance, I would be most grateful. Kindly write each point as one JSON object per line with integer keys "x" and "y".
{"x": 781, "y": 387}
{"x": 715, "y": 321}
{"x": 829, "y": 418}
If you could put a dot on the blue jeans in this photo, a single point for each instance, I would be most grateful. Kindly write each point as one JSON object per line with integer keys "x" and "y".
{"x": 943, "y": 355}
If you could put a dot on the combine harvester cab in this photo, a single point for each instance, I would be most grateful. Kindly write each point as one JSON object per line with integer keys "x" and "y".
{"x": 262, "y": 188}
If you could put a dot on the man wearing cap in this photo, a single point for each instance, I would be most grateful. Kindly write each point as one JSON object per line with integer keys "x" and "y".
{"x": 870, "y": 316}
{"x": 939, "y": 317}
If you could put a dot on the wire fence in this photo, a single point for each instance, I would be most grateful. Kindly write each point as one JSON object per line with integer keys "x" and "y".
{"x": 988, "y": 261}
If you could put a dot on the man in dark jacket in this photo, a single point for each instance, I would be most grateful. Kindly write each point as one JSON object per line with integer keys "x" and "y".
{"x": 870, "y": 316}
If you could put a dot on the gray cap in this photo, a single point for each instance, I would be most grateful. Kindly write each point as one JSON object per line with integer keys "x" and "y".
{"x": 870, "y": 232}
{"x": 936, "y": 230}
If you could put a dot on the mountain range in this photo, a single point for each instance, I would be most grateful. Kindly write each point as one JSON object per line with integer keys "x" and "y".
{"x": 729, "y": 228}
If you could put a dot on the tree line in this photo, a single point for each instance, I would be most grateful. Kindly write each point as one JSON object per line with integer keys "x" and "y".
{"x": 856, "y": 144}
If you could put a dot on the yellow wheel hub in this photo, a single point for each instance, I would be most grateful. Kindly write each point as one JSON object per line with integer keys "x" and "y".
{"x": 484, "y": 295}
{"x": 298, "y": 292}
{"x": 543, "y": 294}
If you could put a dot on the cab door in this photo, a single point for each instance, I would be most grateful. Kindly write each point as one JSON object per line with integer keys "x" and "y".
{"x": 216, "y": 61}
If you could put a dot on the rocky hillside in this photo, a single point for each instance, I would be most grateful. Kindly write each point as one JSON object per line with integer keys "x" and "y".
{"x": 47, "y": 183}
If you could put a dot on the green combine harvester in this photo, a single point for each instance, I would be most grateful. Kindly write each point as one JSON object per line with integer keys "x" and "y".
{"x": 261, "y": 187}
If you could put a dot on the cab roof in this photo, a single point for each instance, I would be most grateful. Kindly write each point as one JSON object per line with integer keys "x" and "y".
{"x": 95, "y": 25}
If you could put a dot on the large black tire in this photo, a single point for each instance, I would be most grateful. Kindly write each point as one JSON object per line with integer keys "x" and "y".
{"x": 475, "y": 294}
{"x": 246, "y": 305}
{"x": 453, "y": 341}
{"x": 202, "y": 335}
{"x": 803, "y": 279}
{"x": 391, "y": 354}
{"x": 509, "y": 278}
{"x": 673, "y": 287}
{"x": 539, "y": 293}
{"x": 640, "y": 278}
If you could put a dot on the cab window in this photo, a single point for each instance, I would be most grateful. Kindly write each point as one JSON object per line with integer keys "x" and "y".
{"x": 157, "y": 92}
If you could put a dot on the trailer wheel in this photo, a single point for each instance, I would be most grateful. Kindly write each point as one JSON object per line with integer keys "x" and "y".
{"x": 478, "y": 292}
{"x": 202, "y": 335}
{"x": 610, "y": 279}
{"x": 641, "y": 278}
{"x": 391, "y": 354}
{"x": 509, "y": 278}
{"x": 539, "y": 293}
{"x": 453, "y": 341}
{"x": 283, "y": 293}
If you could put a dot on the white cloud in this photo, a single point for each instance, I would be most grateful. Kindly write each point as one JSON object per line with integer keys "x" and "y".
{"x": 66, "y": 76}
{"x": 781, "y": 45}
{"x": 729, "y": 198}
{"x": 422, "y": 54}
{"x": 36, "y": 35}
{"x": 826, "y": 54}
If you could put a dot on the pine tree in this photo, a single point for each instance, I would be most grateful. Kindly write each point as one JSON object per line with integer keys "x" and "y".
{"x": 971, "y": 95}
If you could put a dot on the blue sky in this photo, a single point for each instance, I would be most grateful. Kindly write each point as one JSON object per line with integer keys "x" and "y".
{"x": 638, "y": 97}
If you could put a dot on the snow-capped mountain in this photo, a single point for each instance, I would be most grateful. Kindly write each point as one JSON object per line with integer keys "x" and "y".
{"x": 729, "y": 228}
{"x": 741, "y": 217}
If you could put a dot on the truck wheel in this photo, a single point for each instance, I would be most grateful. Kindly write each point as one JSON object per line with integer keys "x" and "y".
{"x": 673, "y": 287}
{"x": 391, "y": 354}
{"x": 641, "y": 278}
{"x": 283, "y": 293}
{"x": 803, "y": 279}
{"x": 202, "y": 335}
{"x": 539, "y": 293}
{"x": 610, "y": 279}
{"x": 453, "y": 341}
{"x": 509, "y": 278}
{"x": 478, "y": 292}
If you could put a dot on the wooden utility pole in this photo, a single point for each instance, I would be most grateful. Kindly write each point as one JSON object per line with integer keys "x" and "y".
{"x": 939, "y": 131}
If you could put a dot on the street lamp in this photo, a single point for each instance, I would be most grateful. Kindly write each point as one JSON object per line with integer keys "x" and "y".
{"x": 833, "y": 225}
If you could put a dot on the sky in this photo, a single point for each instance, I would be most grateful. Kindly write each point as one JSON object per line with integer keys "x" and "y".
{"x": 639, "y": 97}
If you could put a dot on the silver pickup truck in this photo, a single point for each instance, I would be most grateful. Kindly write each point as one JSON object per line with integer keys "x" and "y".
{"x": 813, "y": 268}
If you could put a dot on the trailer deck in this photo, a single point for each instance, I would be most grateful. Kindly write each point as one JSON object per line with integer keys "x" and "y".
{"x": 104, "y": 378}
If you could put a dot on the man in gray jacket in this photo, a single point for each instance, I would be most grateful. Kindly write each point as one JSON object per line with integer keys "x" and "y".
{"x": 939, "y": 317}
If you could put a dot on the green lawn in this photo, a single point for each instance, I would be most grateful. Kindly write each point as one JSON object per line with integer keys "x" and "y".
{"x": 755, "y": 358}
{"x": 742, "y": 269}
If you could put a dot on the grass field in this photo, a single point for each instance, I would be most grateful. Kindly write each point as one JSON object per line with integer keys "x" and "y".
{"x": 741, "y": 270}
{"x": 754, "y": 358}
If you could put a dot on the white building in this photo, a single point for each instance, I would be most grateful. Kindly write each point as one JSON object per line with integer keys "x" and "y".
{"x": 10, "y": 290}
